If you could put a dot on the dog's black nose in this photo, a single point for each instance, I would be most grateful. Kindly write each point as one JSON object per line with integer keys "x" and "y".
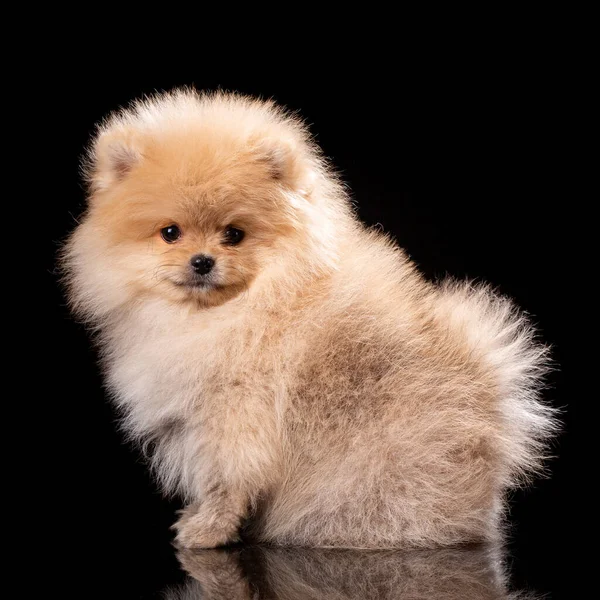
{"x": 202, "y": 264}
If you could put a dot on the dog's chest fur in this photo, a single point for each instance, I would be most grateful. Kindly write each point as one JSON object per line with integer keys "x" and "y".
{"x": 170, "y": 370}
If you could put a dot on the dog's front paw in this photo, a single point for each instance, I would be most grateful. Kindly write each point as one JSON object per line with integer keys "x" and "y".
{"x": 198, "y": 529}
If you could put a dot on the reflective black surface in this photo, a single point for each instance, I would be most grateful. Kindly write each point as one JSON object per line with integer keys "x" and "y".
{"x": 153, "y": 568}
{"x": 269, "y": 573}
{"x": 315, "y": 574}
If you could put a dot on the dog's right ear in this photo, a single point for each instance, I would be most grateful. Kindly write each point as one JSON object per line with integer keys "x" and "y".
{"x": 113, "y": 154}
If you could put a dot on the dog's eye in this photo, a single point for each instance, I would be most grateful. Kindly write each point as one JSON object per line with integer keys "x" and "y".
{"x": 170, "y": 234}
{"x": 233, "y": 236}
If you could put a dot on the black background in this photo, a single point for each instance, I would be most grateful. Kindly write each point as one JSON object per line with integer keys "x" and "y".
{"x": 468, "y": 160}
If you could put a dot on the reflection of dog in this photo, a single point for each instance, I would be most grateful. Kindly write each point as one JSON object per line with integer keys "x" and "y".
{"x": 326, "y": 574}
{"x": 285, "y": 364}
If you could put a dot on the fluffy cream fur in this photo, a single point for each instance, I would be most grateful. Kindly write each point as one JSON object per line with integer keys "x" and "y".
{"x": 316, "y": 388}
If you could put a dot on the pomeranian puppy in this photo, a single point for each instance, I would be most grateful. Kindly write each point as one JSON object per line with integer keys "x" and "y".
{"x": 289, "y": 371}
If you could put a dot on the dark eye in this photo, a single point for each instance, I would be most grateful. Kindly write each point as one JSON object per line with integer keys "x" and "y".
{"x": 233, "y": 236}
{"x": 170, "y": 234}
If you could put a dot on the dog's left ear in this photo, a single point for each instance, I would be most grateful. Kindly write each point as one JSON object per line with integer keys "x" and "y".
{"x": 113, "y": 154}
{"x": 288, "y": 163}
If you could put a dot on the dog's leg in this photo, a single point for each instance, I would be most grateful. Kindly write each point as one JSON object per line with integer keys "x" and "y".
{"x": 214, "y": 521}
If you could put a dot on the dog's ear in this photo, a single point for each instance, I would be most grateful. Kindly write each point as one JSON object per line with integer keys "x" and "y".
{"x": 113, "y": 154}
{"x": 287, "y": 162}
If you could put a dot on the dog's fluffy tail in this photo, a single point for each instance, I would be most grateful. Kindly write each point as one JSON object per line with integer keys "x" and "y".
{"x": 503, "y": 338}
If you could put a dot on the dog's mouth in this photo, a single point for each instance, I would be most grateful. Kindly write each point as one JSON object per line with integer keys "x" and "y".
{"x": 207, "y": 291}
{"x": 203, "y": 285}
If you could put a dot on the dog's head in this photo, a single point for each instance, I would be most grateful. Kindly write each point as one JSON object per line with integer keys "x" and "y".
{"x": 194, "y": 198}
